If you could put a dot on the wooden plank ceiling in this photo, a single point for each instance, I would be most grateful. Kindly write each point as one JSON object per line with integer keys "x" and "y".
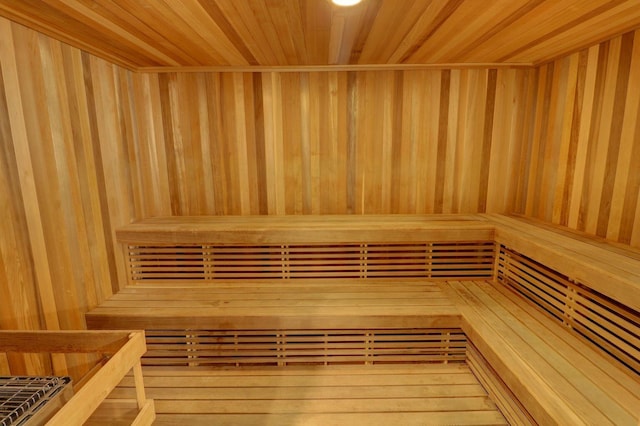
{"x": 264, "y": 33}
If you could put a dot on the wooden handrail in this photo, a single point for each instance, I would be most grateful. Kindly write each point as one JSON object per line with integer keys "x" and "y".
{"x": 123, "y": 349}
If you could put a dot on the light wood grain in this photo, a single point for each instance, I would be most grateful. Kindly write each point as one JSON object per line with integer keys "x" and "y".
{"x": 363, "y": 305}
{"x": 229, "y": 33}
{"x": 89, "y": 146}
{"x": 344, "y": 142}
{"x": 555, "y": 376}
{"x": 54, "y": 177}
{"x": 584, "y": 163}
{"x": 120, "y": 354}
{"x": 509, "y": 406}
{"x": 88, "y": 398}
{"x": 436, "y": 394}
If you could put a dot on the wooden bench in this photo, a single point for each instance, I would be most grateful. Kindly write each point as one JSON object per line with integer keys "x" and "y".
{"x": 275, "y": 323}
{"x": 607, "y": 268}
{"x": 535, "y": 370}
{"x": 551, "y": 315}
{"x": 283, "y": 290}
{"x": 206, "y": 249}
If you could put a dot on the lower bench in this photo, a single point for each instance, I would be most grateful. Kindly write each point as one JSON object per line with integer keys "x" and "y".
{"x": 275, "y": 322}
{"x": 535, "y": 370}
{"x": 538, "y": 372}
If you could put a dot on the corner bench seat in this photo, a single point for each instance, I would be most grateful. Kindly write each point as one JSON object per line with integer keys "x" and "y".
{"x": 558, "y": 377}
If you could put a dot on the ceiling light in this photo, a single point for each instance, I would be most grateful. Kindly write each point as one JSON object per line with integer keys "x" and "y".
{"x": 345, "y": 2}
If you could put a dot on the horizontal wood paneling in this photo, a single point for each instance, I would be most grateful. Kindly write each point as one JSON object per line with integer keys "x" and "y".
{"x": 314, "y": 32}
{"x": 585, "y": 160}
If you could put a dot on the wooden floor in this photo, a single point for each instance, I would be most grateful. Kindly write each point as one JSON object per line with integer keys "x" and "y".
{"x": 430, "y": 394}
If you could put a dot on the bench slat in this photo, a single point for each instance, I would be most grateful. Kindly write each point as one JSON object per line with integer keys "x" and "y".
{"x": 246, "y": 320}
{"x": 509, "y": 406}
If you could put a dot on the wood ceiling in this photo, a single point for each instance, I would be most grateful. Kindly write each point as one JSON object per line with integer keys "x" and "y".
{"x": 153, "y": 34}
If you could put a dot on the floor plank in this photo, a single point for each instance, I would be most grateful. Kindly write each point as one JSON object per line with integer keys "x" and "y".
{"x": 327, "y": 395}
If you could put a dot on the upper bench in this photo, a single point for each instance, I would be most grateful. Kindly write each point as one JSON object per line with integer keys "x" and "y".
{"x": 476, "y": 246}
{"x": 202, "y": 249}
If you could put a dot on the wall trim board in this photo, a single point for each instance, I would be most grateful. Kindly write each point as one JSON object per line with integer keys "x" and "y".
{"x": 334, "y": 68}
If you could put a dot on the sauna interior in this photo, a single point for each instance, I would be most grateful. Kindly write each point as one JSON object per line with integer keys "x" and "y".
{"x": 501, "y": 138}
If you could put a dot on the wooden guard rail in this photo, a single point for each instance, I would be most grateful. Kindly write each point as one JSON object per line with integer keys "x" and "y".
{"x": 88, "y": 405}
{"x": 531, "y": 298}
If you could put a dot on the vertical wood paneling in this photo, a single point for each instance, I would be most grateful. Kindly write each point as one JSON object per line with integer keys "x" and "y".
{"x": 332, "y": 142}
{"x": 88, "y": 146}
{"x": 585, "y": 163}
{"x": 56, "y": 249}
{"x": 19, "y": 308}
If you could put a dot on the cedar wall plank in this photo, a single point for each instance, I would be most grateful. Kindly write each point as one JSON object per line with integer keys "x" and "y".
{"x": 56, "y": 227}
{"x": 585, "y": 162}
{"x": 327, "y": 142}
{"x": 88, "y": 146}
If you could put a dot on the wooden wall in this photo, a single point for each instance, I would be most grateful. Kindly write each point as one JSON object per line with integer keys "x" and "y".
{"x": 328, "y": 142}
{"x": 58, "y": 208}
{"x": 585, "y": 160}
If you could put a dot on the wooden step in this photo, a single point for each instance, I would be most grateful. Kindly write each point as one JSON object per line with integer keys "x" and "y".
{"x": 274, "y": 304}
{"x": 336, "y": 395}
